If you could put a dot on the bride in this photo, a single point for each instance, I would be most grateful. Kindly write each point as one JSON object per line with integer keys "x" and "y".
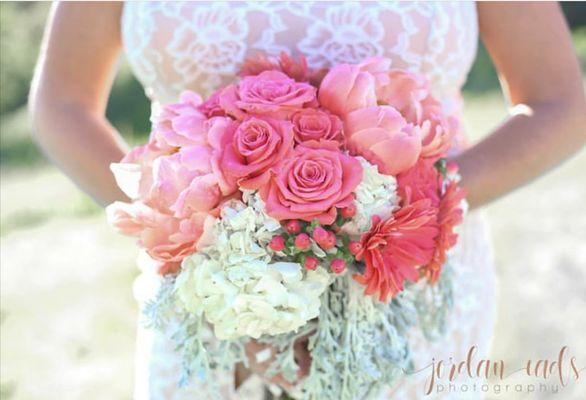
{"x": 200, "y": 46}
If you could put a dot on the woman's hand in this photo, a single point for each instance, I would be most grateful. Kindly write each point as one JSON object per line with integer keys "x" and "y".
{"x": 260, "y": 356}
{"x": 531, "y": 47}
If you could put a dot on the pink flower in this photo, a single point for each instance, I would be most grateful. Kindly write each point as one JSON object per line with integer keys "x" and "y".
{"x": 311, "y": 183}
{"x": 382, "y": 136}
{"x": 314, "y": 124}
{"x": 181, "y": 123}
{"x": 347, "y": 88}
{"x": 165, "y": 238}
{"x": 184, "y": 182}
{"x": 211, "y": 107}
{"x": 271, "y": 93}
{"x": 410, "y": 94}
{"x": 252, "y": 147}
{"x": 393, "y": 249}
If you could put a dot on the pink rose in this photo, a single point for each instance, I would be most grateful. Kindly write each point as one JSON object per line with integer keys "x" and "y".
{"x": 310, "y": 184}
{"x": 271, "y": 93}
{"x": 382, "y": 136}
{"x": 347, "y": 87}
{"x": 181, "y": 123}
{"x": 314, "y": 124}
{"x": 251, "y": 148}
{"x": 410, "y": 94}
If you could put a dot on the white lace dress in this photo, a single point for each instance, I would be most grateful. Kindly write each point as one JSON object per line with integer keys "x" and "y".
{"x": 177, "y": 45}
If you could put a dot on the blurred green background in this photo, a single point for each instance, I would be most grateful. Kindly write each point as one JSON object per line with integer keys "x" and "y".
{"x": 67, "y": 315}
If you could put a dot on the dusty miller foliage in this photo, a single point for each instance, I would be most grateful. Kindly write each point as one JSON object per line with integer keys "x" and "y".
{"x": 359, "y": 345}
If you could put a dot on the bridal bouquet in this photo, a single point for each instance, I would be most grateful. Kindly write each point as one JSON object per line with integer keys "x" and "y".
{"x": 286, "y": 205}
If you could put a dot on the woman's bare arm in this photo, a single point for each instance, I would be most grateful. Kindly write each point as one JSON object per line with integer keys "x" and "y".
{"x": 70, "y": 92}
{"x": 532, "y": 50}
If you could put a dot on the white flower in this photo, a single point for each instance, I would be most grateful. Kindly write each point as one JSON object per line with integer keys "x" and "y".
{"x": 251, "y": 297}
{"x": 375, "y": 195}
{"x": 234, "y": 284}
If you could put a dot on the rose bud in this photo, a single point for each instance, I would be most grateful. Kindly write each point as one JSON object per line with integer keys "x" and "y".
{"x": 277, "y": 243}
{"x": 293, "y": 227}
{"x": 338, "y": 265}
{"x": 354, "y": 247}
{"x": 350, "y": 211}
{"x": 302, "y": 241}
{"x": 310, "y": 263}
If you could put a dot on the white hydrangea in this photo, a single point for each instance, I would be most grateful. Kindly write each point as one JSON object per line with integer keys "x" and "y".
{"x": 237, "y": 287}
{"x": 375, "y": 195}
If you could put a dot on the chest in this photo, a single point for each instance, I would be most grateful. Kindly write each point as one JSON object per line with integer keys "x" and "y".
{"x": 173, "y": 46}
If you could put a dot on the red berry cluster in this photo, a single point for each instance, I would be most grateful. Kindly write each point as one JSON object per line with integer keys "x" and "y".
{"x": 296, "y": 242}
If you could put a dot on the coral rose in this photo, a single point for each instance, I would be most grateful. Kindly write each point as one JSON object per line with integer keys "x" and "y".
{"x": 271, "y": 93}
{"x": 314, "y": 124}
{"x": 382, "y": 136}
{"x": 394, "y": 248}
{"x": 251, "y": 148}
{"x": 310, "y": 184}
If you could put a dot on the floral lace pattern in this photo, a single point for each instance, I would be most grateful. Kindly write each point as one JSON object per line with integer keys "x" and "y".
{"x": 173, "y": 46}
{"x": 193, "y": 45}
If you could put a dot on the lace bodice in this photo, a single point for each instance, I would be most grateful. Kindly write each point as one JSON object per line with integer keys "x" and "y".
{"x": 173, "y": 46}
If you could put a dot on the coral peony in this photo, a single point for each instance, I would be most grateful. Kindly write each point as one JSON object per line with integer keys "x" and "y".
{"x": 311, "y": 183}
{"x": 165, "y": 238}
{"x": 347, "y": 88}
{"x": 410, "y": 94}
{"x": 394, "y": 248}
{"x": 382, "y": 136}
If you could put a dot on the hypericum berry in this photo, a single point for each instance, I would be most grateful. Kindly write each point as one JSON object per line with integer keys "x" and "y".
{"x": 277, "y": 243}
{"x": 452, "y": 167}
{"x": 293, "y": 227}
{"x": 320, "y": 235}
{"x": 330, "y": 242}
{"x": 354, "y": 247}
{"x": 310, "y": 263}
{"x": 350, "y": 211}
{"x": 338, "y": 265}
{"x": 302, "y": 241}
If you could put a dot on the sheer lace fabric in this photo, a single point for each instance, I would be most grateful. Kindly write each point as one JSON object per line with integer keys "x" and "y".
{"x": 199, "y": 46}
